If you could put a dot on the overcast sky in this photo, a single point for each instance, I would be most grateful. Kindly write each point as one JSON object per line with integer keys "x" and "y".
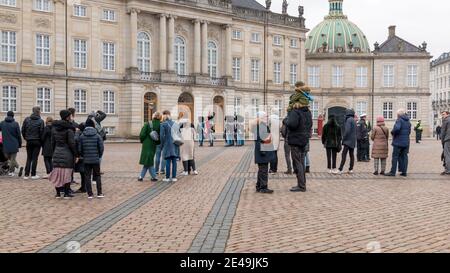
{"x": 416, "y": 20}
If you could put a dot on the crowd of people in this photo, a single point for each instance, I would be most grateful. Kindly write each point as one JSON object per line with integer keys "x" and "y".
{"x": 66, "y": 146}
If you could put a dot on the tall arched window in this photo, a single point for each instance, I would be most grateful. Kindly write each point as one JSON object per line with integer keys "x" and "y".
{"x": 180, "y": 56}
{"x": 212, "y": 59}
{"x": 143, "y": 52}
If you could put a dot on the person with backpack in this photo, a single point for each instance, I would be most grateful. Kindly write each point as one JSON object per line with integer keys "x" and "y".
{"x": 149, "y": 138}
{"x": 47, "y": 149}
{"x": 332, "y": 141}
{"x": 32, "y": 129}
{"x": 12, "y": 142}
{"x": 90, "y": 150}
{"x": 170, "y": 142}
{"x": 287, "y": 148}
{"x": 380, "y": 147}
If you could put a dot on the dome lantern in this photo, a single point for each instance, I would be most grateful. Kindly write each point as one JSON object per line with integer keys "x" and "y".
{"x": 336, "y": 7}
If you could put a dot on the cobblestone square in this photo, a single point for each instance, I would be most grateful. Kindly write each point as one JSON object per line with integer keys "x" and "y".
{"x": 219, "y": 211}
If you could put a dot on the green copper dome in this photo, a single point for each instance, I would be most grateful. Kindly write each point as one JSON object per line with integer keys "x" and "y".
{"x": 336, "y": 34}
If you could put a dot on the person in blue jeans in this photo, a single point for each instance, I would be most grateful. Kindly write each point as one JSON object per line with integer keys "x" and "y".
{"x": 401, "y": 141}
{"x": 170, "y": 150}
{"x": 160, "y": 163}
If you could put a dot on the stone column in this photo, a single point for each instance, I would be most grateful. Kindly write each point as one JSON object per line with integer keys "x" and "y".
{"x": 205, "y": 47}
{"x": 170, "y": 46}
{"x": 197, "y": 47}
{"x": 60, "y": 37}
{"x": 162, "y": 43}
{"x": 228, "y": 56}
{"x": 133, "y": 36}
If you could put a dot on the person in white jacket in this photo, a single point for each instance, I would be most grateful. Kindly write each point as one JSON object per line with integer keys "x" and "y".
{"x": 188, "y": 134}
{"x": 275, "y": 129}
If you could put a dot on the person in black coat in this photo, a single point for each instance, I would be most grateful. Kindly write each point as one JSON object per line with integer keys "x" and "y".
{"x": 47, "y": 149}
{"x": 332, "y": 141}
{"x": 299, "y": 124}
{"x": 90, "y": 149}
{"x": 362, "y": 136}
{"x": 64, "y": 154}
{"x": 264, "y": 152}
{"x": 12, "y": 142}
{"x": 32, "y": 129}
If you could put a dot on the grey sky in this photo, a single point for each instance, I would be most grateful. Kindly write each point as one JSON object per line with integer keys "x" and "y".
{"x": 416, "y": 20}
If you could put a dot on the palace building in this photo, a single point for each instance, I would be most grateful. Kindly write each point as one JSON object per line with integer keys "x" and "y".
{"x": 440, "y": 87}
{"x": 131, "y": 58}
{"x": 344, "y": 72}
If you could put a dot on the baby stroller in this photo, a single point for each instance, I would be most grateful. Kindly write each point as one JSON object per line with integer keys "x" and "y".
{"x": 4, "y": 166}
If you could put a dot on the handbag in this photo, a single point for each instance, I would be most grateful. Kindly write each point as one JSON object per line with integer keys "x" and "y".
{"x": 153, "y": 134}
{"x": 176, "y": 135}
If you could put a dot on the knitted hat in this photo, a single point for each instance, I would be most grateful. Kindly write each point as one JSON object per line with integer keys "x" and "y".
{"x": 64, "y": 114}
{"x": 89, "y": 123}
{"x": 380, "y": 119}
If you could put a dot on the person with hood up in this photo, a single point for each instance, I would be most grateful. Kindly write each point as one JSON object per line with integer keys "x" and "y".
{"x": 332, "y": 141}
{"x": 348, "y": 141}
{"x": 32, "y": 129}
{"x": 90, "y": 150}
{"x": 64, "y": 155}
{"x": 12, "y": 142}
{"x": 401, "y": 142}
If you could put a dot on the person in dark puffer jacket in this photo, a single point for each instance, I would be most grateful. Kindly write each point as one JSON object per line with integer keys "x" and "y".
{"x": 32, "y": 129}
{"x": 90, "y": 149}
{"x": 348, "y": 141}
{"x": 64, "y": 154}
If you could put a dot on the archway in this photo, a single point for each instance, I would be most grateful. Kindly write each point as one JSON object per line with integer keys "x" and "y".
{"x": 219, "y": 104}
{"x": 150, "y": 105}
{"x": 339, "y": 113}
{"x": 186, "y": 106}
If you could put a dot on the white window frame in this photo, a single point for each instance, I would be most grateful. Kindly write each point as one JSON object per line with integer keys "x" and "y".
{"x": 237, "y": 69}
{"x": 144, "y": 52}
{"x": 278, "y": 103}
{"x": 79, "y": 11}
{"x": 388, "y": 75}
{"x": 315, "y": 110}
{"x": 43, "y": 49}
{"x": 8, "y": 46}
{"x": 412, "y": 76}
{"x": 255, "y": 106}
{"x": 337, "y": 76}
{"x": 255, "y": 70}
{"x": 293, "y": 73}
{"x": 277, "y": 72}
{"x": 213, "y": 59}
{"x": 388, "y": 110}
{"x": 293, "y": 43}
{"x": 256, "y": 37}
{"x": 110, "y": 130}
{"x": 109, "y": 102}
{"x": 237, "y": 34}
{"x": 44, "y": 99}
{"x": 412, "y": 110}
{"x": 277, "y": 40}
{"x": 43, "y": 5}
{"x": 9, "y": 98}
{"x": 361, "y": 108}
{"x": 180, "y": 55}
{"x": 8, "y": 3}
{"x": 80, "y": 101}
{"x": 314, "y": 76}
{"x": 238, "y": 105}
{"x": 109, "y": 15}
{"x": 109, "y": 56}
{"x": 362, "y": 76}
{"x": 80, "y": 53}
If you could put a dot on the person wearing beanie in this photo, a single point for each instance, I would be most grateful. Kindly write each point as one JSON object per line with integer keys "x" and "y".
{"x": 90, "y": 150}
{"x": 12, "y": 142}
{"x": 32, "y": 129}
{"x": 301, "y": 97}
{"x": 380, "y": 148}
{"x": 64, "y": 155}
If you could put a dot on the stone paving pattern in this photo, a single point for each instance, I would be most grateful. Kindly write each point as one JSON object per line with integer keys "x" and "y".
{"x": 338, "y": 214}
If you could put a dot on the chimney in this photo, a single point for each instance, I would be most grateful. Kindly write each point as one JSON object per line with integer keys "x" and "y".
{"x": 391, "y": 31}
